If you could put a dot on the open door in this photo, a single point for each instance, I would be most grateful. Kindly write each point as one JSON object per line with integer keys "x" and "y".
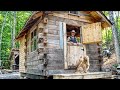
{"x": 91, "y": 33}
{"x": 72, "y": 53}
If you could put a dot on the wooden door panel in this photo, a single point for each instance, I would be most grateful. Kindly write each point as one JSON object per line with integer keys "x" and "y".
{"x": 91, "y": 33}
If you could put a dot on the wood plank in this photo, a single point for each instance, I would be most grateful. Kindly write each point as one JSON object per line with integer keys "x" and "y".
{"x": 52, "y": 27}
{"x": 73, "y": 54}
{"x": 49, "y": 36}
{"x": 61, "y": 35}
{"x": 57, "y": 56}
{"x": 79, "y": 18}
{"x": 50, "y": 41}
{"x": 22, "y": 54}
{"x": 65, "y": 46}
{"x": 55, "y": 67}
{"x": 37, "y": 15}
{"x": 54, "y": 51}
{"x": 95, "y": 36}
{"x": 49, "y": 45}
{"x": 92, "y": 75}
{"x": 53, "y": 31}
{"x": 61, "y": 71}
{"x": 53, "y": 37}
{"x": 51, "y": 22}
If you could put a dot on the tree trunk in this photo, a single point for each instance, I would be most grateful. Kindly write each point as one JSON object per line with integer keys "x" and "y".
{"x": 114, "y": 29}
{"x": 4, "y": 21}
{"x": 14, "y": 29}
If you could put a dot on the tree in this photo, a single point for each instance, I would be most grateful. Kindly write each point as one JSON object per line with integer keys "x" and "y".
{"x": 2, "y": 33}
{"x": 14, "y": 22}
{"x": 115, "y": 36}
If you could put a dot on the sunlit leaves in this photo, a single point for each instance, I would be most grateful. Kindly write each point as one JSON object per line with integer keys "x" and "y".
{"x": 21, "y": 18}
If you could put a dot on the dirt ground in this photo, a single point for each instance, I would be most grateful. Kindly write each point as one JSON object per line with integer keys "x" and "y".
{"x": 13, "y": 75}
{"x": 108, "y": 63}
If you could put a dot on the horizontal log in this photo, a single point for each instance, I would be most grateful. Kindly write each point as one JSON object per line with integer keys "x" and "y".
{"x": 54, "y": 42}
{"x": 57, "y": 56}
{"x": 52, "y": 27}
{"x": 79, "y": 18}
{"x": 49, "y": 45}
{"x": 53, "y": 37}
{"x": 54, "y": 51}
{"x": 35, "y": 71}
{"x": 62, "y": 71}
{"x": 55, "y": 62}
{"x": 55, "y": 67}
{"x": 51, "y": 22}
{"x": 53, "y": 31}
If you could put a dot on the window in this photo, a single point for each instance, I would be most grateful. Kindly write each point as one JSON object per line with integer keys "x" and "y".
{"x": 33, "y": 41}
{"x": 77, "y": 30}
{"x": 73, "y": 12}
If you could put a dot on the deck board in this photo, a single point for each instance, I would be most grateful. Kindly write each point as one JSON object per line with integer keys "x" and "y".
{"x": 91, "y": 75}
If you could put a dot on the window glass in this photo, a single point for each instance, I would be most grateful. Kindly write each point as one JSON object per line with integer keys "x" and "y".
{"x": 33, "y": 41}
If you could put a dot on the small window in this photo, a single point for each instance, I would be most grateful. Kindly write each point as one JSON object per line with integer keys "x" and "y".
{"x": 33, "y": 41}
{"x": 77, "y": 30}
{"x": 73, "y": 12}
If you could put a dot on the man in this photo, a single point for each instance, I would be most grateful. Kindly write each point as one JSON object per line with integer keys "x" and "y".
{"x": 72, "y": 39}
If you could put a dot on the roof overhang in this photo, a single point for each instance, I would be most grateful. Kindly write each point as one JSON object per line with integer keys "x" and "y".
{"x": 30, "y": 22}
{"x": 105, "y": 18}
{"x": 98, "y": 16}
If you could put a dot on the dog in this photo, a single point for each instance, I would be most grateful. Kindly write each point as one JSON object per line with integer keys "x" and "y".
{"x": 82, "y": 64}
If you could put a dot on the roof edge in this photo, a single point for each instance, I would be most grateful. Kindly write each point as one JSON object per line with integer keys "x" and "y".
{"x": 103, "y": 15}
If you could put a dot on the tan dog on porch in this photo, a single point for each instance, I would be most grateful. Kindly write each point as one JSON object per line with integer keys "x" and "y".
{"x": 83, "y": 64}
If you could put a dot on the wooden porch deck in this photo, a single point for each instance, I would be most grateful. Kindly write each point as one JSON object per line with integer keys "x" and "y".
{"x": 90, "y": 75}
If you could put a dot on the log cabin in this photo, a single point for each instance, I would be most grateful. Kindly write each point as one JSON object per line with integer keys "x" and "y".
{"x": 43, "y": 42}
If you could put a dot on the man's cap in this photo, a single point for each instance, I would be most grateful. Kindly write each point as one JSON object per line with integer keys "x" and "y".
{"x": 73, "y": 31}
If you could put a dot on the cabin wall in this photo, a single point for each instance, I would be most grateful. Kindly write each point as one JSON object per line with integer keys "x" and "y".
{"x": 93, "y": 53}
{"x": 22, "y": 54}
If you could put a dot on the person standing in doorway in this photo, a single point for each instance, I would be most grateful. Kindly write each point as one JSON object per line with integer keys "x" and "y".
{"x": 72, "y": 39}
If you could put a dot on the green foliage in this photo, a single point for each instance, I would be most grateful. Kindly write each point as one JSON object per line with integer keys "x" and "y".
{"x": 115, "y": 65}
{"x": 21, "y": 18}
{"x": 5, "y": 64}
{"x": 106, "y": 37}
{"x": 78, "y": 39}
{"x": 107, "y": 34}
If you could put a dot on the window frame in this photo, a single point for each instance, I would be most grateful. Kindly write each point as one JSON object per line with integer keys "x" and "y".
{"x": 33, "y": 43}
{"x": 74, "y": 13}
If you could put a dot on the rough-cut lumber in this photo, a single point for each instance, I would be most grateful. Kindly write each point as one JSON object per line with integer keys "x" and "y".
{"x": 95, "y": 36}
{"x": 79, "y": 18}
{"x": 92, "y": 75}
{"x": 22, "y": 55}
{"x": 73, "y": 54}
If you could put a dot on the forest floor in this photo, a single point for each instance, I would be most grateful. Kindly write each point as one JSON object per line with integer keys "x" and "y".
{"x": 108, "y": 63}
{"x": 13, "y": 75}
